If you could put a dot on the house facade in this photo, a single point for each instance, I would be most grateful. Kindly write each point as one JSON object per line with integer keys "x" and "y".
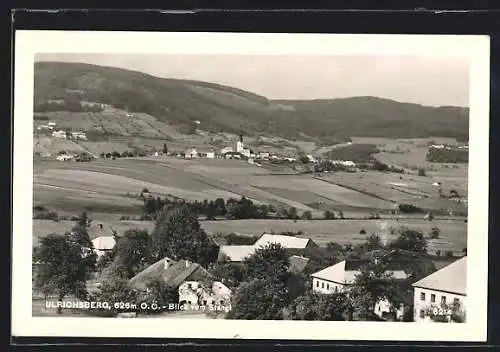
{"x": 442, "y": 295}
{"x": 339, "y": 277}
{"x": 198, "y": 293}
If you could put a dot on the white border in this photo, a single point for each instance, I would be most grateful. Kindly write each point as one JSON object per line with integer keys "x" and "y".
{"x": 474, "y": 48}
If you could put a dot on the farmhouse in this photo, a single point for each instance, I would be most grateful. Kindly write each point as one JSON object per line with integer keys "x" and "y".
{"x": 79, "y": 135}
{"x": 235, "y": 253}
{"x": 338, "y": 277}
{"x": 263, "y": 155}
{"x": 59, "y": 134}
{"x": 51, "y": 124}
{"x": 291, "y": 242}
{"x": 200, "y": 293}
{"x": 172, "y": 273}
{"x": 443, "y": 288}
{"x": 210, "y": 155}
{"x": 103, "y": 244}
{"x": 65, "y": 157}
{"x": 191, "y": 153}
{"x": 238, "y": 253}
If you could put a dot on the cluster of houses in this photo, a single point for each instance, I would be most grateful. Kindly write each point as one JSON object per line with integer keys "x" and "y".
{"x": 449, "y": 147}
{"x": 444, "y": 286}
{"x": 60, "y": 133}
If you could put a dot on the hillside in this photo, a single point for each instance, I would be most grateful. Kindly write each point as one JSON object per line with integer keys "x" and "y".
{"x": 168, "y": 104}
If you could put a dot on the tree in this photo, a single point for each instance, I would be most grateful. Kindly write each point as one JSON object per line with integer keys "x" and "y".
{"x": 270, "y": 261}
{"x": 157, "y": 291}
{"x": 115, "y": 289}
{"x": 259, "y": 299}
{"x": 304, "y": 159}
{"x": 211, "y": 210}
{"x": 220, "y": 206}
{"x": 435, "y": 231}
{"x": 306, "y": 215}
{"x": 178, "y": 235}
{"x": 314, "y": 306}
{"x": 293, "y": 213}
{"x": 229, "y": 273}
{"x": 373, "y": 242}
{"x": 372, "y": 285}
{"x": 329, "y": 215}
{"x": 165, "y": 149}
{"x": 63, "y": 267}
{"x": 341, "y": 214}
{"x": 132, "y": 251}
{"x": 421, "y": 171}
{"x": 410, "y": 240}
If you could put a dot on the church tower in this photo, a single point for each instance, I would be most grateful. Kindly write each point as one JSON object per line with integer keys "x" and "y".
{"x": 239, "y": 144}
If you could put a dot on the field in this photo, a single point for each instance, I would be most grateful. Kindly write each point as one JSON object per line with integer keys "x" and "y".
{"x": 453, "y": 232}
{"x": 108, "y": 189}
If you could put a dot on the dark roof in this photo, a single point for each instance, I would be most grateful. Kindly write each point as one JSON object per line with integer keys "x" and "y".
{"x": 174, "y": 275}
{"x": 394, "y": 260}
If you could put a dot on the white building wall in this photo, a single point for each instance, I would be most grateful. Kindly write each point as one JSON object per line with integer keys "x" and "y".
{"x": 326, "y": 287}
{"x": 423, "y": 300}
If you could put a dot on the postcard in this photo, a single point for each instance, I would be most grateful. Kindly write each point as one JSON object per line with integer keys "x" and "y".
{"x": 250, "y": 186}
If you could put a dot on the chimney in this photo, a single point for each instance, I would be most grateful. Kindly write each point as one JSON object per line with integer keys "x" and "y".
{"x": 188, "y": 263}
{"x": 166, "y": 264}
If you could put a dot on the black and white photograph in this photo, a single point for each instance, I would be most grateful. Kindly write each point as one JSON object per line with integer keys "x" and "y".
{"x": 251, "y": 185}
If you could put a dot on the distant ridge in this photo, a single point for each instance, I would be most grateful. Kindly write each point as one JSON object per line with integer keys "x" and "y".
{"x": 222, "y": 108}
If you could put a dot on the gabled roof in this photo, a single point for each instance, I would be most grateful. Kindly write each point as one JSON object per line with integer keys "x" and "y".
{"x": 451, "y": 278}
{"x": 334, "y": 273}
{"x": 284, "y": 241}
{"x": 104, "y": 243}
{"x": 236, "y": 253}
{"x": 173, "y": 274}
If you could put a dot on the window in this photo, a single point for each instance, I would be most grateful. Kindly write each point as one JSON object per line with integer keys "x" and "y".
{"x": 456, "y": 301}
{"x": 317, "y": 283}
{"x": 422, "y": 296}
{"x": 327, "y": 286}
{"x": 221, "y": 301}
{"x": 443, "y": 299}
{"x": 322, "y": 285}
{"x": 204, "y": 302}
{"x": 433, "y": 298}
{"x": 336, "y": 289}
{"x": 422, "y": 313}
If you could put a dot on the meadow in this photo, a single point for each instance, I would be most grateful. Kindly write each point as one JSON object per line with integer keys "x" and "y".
{"x": 453, "y": 234}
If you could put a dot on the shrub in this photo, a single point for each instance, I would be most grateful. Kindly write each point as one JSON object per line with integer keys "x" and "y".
{"x": 362, "y": 232}
{"x": 421, "y": 171}
{"x": 329, "y": 215}
{"x": 124, "y": 217}
{"x": 435, "y": 233}
{"x": 306, "y": 215}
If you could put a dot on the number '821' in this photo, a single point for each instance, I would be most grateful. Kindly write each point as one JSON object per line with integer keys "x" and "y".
{"x": 441, "y": 311}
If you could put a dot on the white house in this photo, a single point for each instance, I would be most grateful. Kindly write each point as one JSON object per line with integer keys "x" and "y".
{"x": 59, "y": 134}
{"x": 312, "y": 159}
{"x": 191, "y": 153}
{"x": 263, "y": 155}
{"x": 285, "y": 241}
{"x": 238, "y": 253}
{"x": 246, "y": 152}
{"x": 103, "y": 244}
{"x": 196, "y": 293}
{"x": 65, "y": 157}
{"x": 338, "y": 278}
{"x": 210, "y": 155}
{"x": 239, "y": 146}
{"x": 440, "y": 292}
{"x": 79, "y": 135}
{"x": 51, "y": 124}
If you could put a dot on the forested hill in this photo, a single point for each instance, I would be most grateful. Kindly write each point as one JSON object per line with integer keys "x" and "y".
{"x": 228, "y": 109}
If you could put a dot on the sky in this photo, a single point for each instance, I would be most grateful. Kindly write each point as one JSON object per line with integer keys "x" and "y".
{"x": 433, "y": 81}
